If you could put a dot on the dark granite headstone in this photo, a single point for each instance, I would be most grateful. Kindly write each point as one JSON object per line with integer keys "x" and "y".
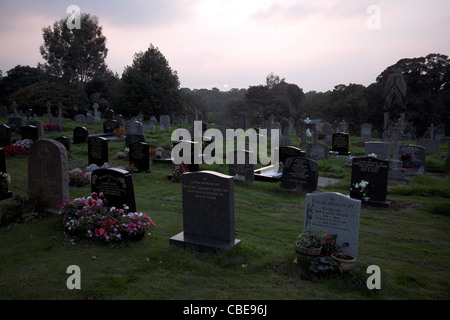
{"x": 189, "y": 146}
{"x": 110, "y": 125}
{"x": 97, "y": 150}
{"x": 48, "y": 172}
{"x": 5, "y": 135}
{"x": 80, "y": 135}
{"x": 134, "y": 138}
{"x": 139, "y": 155}
{"x": 300, "y": 171}
{"x": 4, "y": 192}
{"x": 15, "y": 124}
{"x": 339, "y": 143}
{"x": 375, "y": 172}
{"x": 289, "y": 152}
{"x": 65, "y": 142}
{"x": 208, "y": 211}
{"x": 117, "y": 187}
{"x": 243, "y": 168}
{"x": 30, "y": 132}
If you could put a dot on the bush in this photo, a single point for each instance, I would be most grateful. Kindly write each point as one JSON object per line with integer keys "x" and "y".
{"x": 21, "y": 209}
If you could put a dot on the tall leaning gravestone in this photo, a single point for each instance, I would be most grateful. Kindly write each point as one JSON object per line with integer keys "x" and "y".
{"x": 335, "y": 213}
{"x": 208, "y": 211}
{"x": 48, "y": 172}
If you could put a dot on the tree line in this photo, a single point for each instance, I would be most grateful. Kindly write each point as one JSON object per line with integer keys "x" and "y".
{"x": 75, "y": 74}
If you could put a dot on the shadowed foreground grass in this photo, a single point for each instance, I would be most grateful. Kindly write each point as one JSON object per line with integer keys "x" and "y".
{"x": 409, "y": 242}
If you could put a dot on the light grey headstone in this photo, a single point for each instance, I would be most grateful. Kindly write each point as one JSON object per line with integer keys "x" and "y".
{"x": 366, "y": 132}
{"x": 431, "y": 146}
{"x": 80, "y": 118}
{"x": 164, "y": 122}
{"x": 381, "y": 149}
{"x": 335, "y": 213}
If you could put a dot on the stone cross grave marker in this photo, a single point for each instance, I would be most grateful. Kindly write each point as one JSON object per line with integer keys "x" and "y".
{"x": 208, "y": 211}
{"x": 335, "y": 213}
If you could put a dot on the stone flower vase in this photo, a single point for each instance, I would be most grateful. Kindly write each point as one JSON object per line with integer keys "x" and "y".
{"x": 307, "y": 254}
{"x": 347, "y": 262}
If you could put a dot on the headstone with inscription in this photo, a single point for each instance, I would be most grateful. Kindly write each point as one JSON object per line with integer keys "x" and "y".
{"x": 339, "y": 144}
{"x": 317, "y": 151}
{"x": 97, "y": 150}
{"x": 208, "y": 211}
{"x": 117, "y": 187}
{"x": 48, "y": 172}
{"x": 139, "y": 155}
{"x": 335, "y": 213}
{"x": 300, "y": 171}
{"x": 375, "y": 172}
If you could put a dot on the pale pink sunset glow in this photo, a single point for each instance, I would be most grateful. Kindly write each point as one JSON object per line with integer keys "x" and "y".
{"x": 236, "y": 44}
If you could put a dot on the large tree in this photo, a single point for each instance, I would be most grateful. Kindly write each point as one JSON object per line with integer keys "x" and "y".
{"x": 75, "y": 55}
{"x": 149, "y": 86}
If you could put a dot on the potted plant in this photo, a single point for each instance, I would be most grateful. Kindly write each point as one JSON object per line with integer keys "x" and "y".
{"x": 309, "y": 244}
{"x": 346, "y": 261}
{"x": 406, "y": 160}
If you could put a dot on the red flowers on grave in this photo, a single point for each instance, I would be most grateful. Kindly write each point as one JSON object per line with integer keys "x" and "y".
{"x": 50, "y": 127}
{"x": 329, "y": 245}
{"x": 90, "y": 218}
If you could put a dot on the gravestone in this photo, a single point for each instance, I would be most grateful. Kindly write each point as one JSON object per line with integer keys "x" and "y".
{"x": 164, "y": 122}
{"x": 108, "y": 114}
{"x": 343, "y": 126}
{"x": 418, "y": 154}
{"x": 208, "y": 211}
{"x": 48, "y": 172}
{"x": 381, "y": 149}
{"x": 366, "y": 132}
{"x": 284, "y": 123}
{"x": 335, "y": 213}
{"x": 431, "y": 146}
{"x": 5, "y": 135}
{"x": 90, "y": 119}
{"x": 289, "y": 152}
{"x": 242, "y": 167}
{"x": 133, "y": 127}
{"x": 110, "y": 125}
{"x": 317, "y": 151}
{"x": 97, "y": 150}
{"x": 30, "y": 132}
{"x": 134, "y": 138}
{"x": 80, "y": 118}
{"x": 4, "y": 192}
{"x": 190, "y": 146}
{"x": 300, "y": 171}
{"x": 375, "y": 172}
{"x": 139, "y": 155}
{"x": 117, "y": 187}
{"x": 38, "y": 124}
{"x": 64, "y": 141}
{"x": 80, "y": 135}
{"x": 15, "y": 123}
{"x": 339, "y": 143}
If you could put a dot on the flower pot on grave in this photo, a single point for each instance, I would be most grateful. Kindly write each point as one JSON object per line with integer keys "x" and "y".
{"x": 347, "y": 262}
{"x": 307, "y": 254}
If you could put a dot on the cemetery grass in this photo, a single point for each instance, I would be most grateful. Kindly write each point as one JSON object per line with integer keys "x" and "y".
{"x": 409, "y": 242}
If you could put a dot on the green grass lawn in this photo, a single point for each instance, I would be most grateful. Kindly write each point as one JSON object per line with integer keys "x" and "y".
{"x": 409, "y": 242}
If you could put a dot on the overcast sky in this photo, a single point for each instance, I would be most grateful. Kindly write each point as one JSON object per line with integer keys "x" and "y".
{"x": 315, "y": 44}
